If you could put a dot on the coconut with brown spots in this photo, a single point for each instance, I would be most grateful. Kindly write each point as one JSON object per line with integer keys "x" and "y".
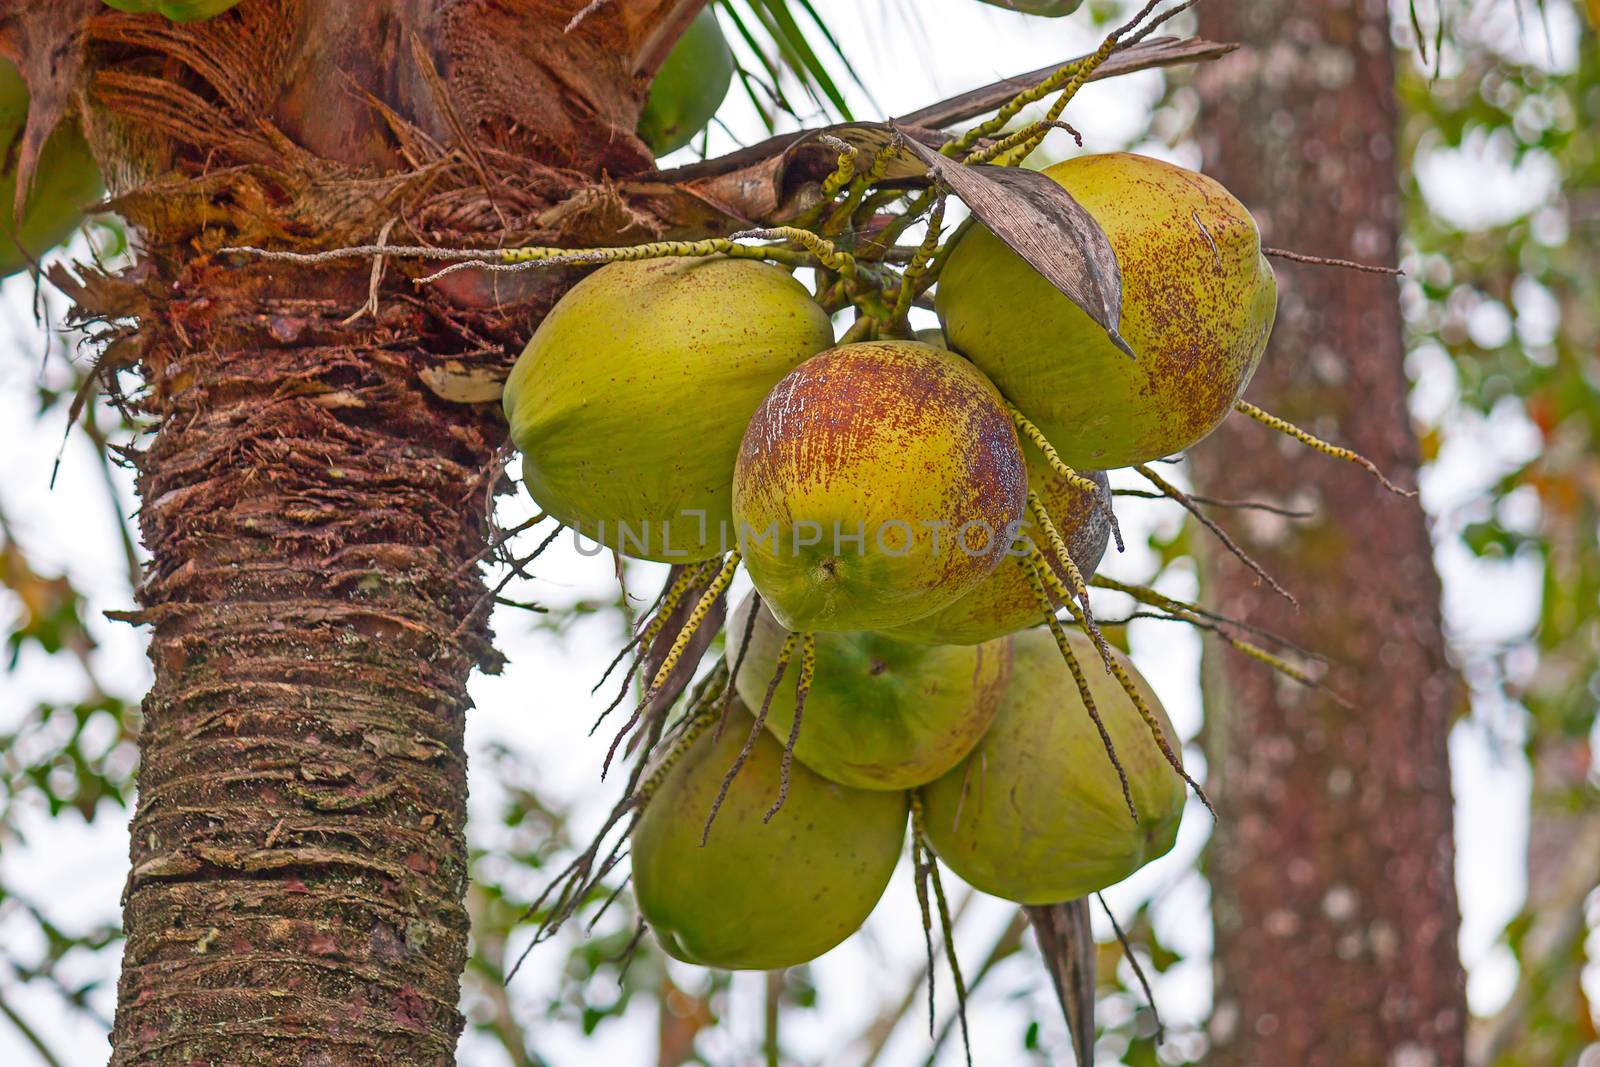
{"x": 1005, "y": 601}
{"x": 880, "y": 713}
{"x": 629, "y": 402}
{"x": 1036, "y": 812}
{"x": 876, "y": 484}
{"x": 758, "y": 894}
{"x": 1198, "y": 303}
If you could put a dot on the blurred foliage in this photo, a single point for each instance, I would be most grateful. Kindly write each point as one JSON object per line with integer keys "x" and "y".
{"x": 67, "y": 757}
{"x": 1514, "y": 305}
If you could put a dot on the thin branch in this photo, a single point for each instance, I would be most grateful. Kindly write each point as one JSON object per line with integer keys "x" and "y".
{"x": 1328, "y": 261}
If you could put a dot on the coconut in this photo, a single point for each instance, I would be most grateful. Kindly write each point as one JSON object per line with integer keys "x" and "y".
{"x": 1035, "y": 814}
{"x": 629, "y": 402}
{"x": 1198, "y": 300}
{"x": 877, "y": 483}
{"x": 1005, "y": 602}
{"x": 689, "y": 87}
{"x": 176, "y": 10}
{"x": 64, "y": 181}
{"x": 760, "y": 895}
{"x": 880, "y": 713}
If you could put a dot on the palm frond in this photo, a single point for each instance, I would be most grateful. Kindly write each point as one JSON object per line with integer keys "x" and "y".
{"x": 793, "y": 42}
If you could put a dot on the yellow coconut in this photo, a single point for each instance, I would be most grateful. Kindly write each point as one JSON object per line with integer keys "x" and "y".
{"x": 1035, "y": 813}
{"x": 629, "y": 402}
{"x": 760, "y": 895}
{"x": 876, "y": 484}
{"x": 1198, "y": 303}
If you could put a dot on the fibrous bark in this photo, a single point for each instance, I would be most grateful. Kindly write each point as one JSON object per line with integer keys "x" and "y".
{"x": 313, "y": 514}
{"x": 1332, "y": 867}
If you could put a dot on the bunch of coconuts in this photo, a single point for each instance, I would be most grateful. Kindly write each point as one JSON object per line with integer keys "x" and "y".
{"x": 894, "y": 525}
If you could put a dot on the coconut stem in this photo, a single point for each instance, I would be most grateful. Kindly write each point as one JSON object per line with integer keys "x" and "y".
{"x": 1032, "y": 566}
{"x": 518, "y": 259}
{"x": 726, "y": 703}
{"x": 920, "y": 879}
{"x": 1158, "y": 733}
{"x": 680, "y": 643}
{"x": 802, "y": 689}
{"x": 665, "y": 606}
{"x": 1138, "y": 971}
{"x": 702, "y": 608}
{"x": 858, "y": 188}
{"x": 1080, "y": 588}
{"x": 1028, "y": 135}
{"x": 1040, "y": 577}
{"x": 823, "y": 249}
{"x": 1173, "y": 492}
{"x": 1288, "y": 428}
{"x": 671, "y": 593}
{"x": 928, "y": 868}
{"x": 785, "y": 654}
{"x": 1083, "y": 485}
{"x": 919, "y": 264}
{"x": 1069, "y": 79}
{"x": 1218, "y": 502}
{"x": 1184, "y": 610}
{"x": 578, "y": 878}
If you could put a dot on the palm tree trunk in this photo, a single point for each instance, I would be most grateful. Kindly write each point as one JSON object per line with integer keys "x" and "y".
{"x": 313, "y": 514}
{"x": 1332, "y": 868}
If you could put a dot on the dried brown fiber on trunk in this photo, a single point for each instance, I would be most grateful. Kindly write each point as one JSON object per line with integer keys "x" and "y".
{"x": 1332, "y": 867}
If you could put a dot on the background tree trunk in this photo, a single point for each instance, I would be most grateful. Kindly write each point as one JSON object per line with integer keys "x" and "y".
{"x": 1332, "y": 866}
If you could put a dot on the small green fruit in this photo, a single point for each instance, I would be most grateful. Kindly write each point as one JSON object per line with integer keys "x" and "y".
{"x": 689, "y": 87}
{"x": 881, "y": 713}
{"x": 877, "y": 483}
{"x": 176, "y": 10}
{"x": 64, "y": 181}
{"x": 629, "y": 402}
{"x": 1198, "y": 300}
{"x": 760, "y": 895}
{"x": 1005, "y": 602}
{"x": 1035, "y": 814}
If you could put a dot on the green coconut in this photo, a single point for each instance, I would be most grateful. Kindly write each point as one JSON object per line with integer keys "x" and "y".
{"x": 1198, "y": 300}
{"x": 881, "y": 713}
{"x": 876, "y": 484}
{"x": 689, "y": 87}
{"x": 760, "y": 895}
{"x": 64, "y": 181}
{"x": 176, "y": 10}
{"x": 1035, "y": 814}
{"x": 629, "y": 402}
{"x": 1004, "y": 603}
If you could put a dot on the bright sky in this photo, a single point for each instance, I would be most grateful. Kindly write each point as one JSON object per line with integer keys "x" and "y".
{"x": 922, "y": 50}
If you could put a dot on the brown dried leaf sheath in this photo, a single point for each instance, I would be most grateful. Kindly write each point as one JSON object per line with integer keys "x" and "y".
{"x": 1041, "y": 222}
